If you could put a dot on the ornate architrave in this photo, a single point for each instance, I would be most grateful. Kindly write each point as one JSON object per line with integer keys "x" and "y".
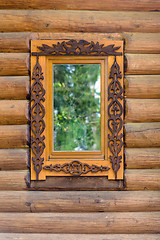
{"x": 112, "y": 165}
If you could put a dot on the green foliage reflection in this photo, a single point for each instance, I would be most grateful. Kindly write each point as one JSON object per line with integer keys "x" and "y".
{"x": 77, "y": 118}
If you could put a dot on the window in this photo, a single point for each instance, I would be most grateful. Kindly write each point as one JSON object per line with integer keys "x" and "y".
{"x": 76, "y": 108}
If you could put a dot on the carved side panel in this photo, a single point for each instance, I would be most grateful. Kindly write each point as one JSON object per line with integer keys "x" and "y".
{"x": 37, "y": 115}
{"x": 115, "y": 117}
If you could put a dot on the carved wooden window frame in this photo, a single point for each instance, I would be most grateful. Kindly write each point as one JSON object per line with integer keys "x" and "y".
{"x": 43, "y": 54}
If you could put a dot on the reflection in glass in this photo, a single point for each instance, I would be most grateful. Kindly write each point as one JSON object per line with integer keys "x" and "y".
{"x": 76, "y": 107}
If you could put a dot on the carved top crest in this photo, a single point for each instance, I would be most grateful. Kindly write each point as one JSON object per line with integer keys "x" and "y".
{"x": 74, "y": 47}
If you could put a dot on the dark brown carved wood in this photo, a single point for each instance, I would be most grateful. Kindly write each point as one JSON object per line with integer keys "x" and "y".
{"x": 74, "y": 47}
{"x": 76, "y": 168}
{"x": 115, "y": 108}
{"x": 37, "y": 115}
{"x": 115, "y": 121}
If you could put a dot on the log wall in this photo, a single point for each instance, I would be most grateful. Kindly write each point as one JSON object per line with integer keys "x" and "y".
{"x": 127, "y": 209}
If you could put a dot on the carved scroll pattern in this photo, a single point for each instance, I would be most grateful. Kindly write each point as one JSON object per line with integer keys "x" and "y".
{"x": 37, "y": 115}
{"x": 115, "y": 113}
{"x": 74, "y": 47}
{"x": 76, "y": 168}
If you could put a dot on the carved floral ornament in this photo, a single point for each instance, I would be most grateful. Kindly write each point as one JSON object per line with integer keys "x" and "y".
{"x": 114, "y": 162}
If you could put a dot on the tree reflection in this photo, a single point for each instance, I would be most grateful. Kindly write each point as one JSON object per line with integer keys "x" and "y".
{"x": 77, "y": 114}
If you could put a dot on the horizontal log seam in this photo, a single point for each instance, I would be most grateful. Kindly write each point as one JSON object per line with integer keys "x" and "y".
{"x": 102, "y": 5}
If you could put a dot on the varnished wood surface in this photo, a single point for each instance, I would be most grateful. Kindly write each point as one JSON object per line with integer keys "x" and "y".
{"x": 137, "y": 222}
{"x": 34, "y": 236}
{"x": 102, "y": 5}
{"x": 88, "y": 201}
{"x": 134, "y": 42}
{"x": 78, "y": 21}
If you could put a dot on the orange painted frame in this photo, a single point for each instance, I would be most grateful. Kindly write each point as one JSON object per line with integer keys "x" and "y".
{"x": 93, "y": 163}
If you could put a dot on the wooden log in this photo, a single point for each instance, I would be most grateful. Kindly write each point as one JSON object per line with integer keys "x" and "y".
{"x": 14, "y": 42}
{"x": 134, "y": 223}
{"x": 14, "y": 87}
{"x": 14, "y": 159}
{"x": 13, "y": 180}
{"x": 78, "y": 21}
{"x": 137, "y": 110}
{"x": 142, "y": 158}
{"x": 142, "y": 86}
{"x": 144, "y": 179}
{"x": 134, "y": 42}
{"x": 148, "y": 179}
{"x": 142, "y": 135}
{"x": 14, "y": 64}
{"x": 95, "y": 201}
{"x": 142, "y": 110}
{"x": 142, "y": 64}
{"x": 14, "y": 136}
{"x": 18, "y": 64}
{"x": 102, "y": 5}
{"x": 34, "y": 236}
{"x": 14, "y": 112}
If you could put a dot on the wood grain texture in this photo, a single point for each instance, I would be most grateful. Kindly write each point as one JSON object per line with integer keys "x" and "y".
{"x": 78, "y": 21}
{"x": 142, "y": 64}
{"x": 14, "y": 64}
{"x": 147, "y": 158}
{"x": 34, "y": 236}
{"x": 136, "y": 86}
{"x": 134, "y": 42}
{"x": 14, "y": 42}
{"x": 14, "y": 112}
{"x": 138, "y": 222}
{"x": 13, "y": 180}
{"x": 14, "y": 159}
{"x": 142, "y": 86}
{"x": 137, "y": 110}
{"x": 14, "y": 136}
{"x": 89, "y": 201}
{"x": 14, "y": 87}
{"x": 102, "y": 5}
{"x": 144, "y": 179}
{"x": 144, "y": 135}
{"x": 142, "y": 110}
{"x": 18, "y": 64}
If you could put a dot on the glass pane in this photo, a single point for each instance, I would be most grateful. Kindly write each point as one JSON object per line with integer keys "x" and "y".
{"x": 77, "y": 107}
